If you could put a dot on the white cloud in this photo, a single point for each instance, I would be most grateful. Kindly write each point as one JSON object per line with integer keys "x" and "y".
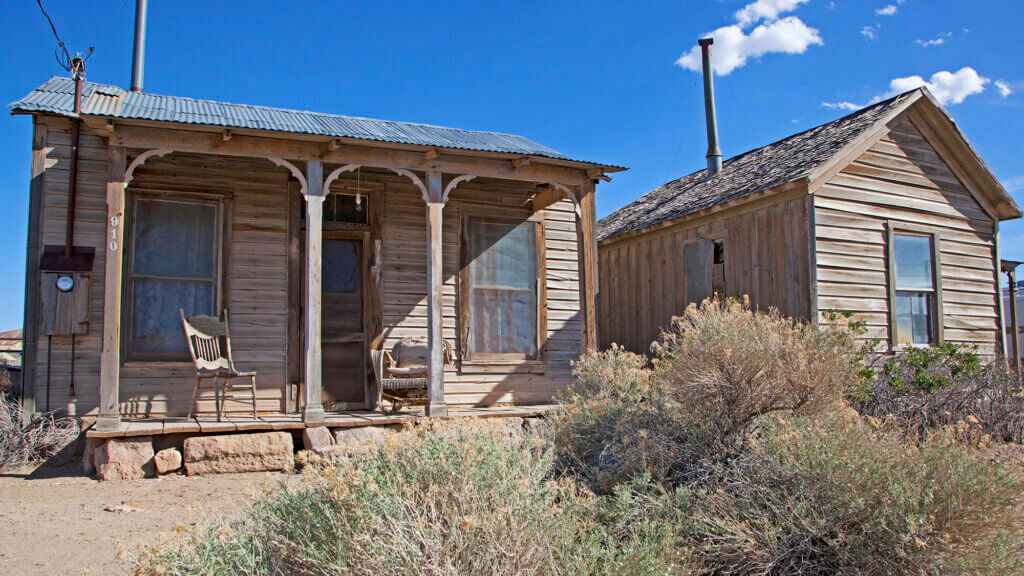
{"x": 767, "y": 10}
{"x": 1003, "y": 87}
{"x": 868, "y": 32}
{"x": 889, "y": 10}
{"x": 937, "y": 41}
{"x": 733, "y": 46}
{"x": 842, "y": 105}
{"x": 1015, "y": 184}
{"x": 947, "y": 87}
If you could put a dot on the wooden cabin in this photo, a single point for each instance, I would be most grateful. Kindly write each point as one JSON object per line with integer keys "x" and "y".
{"x": 325, "y": 237}
{"x": 887, "y": 213}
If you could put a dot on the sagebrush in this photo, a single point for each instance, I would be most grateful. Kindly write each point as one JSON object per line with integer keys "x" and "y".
{"x": 25, "y": 439}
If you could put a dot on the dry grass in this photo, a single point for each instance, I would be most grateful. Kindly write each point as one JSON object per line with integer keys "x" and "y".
{"x": 24, "y": 439}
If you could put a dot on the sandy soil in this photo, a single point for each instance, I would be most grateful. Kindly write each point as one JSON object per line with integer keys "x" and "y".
{"x": 55, "y": 522}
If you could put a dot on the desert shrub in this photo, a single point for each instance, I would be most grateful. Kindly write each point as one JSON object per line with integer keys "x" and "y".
{"x": 436, "y": 503}
{"x": 832, "y": 496}
{"x": 921, "y": 389}
{"x": 715, "y": 372}
{"x": 26, "y": 439}
{"x": 732, "y": 364}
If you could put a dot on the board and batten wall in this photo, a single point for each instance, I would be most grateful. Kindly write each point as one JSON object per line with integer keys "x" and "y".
{"x": 904, "y": 181}
{"x": 255, "y": 284}
{"x": 645, "y": 281}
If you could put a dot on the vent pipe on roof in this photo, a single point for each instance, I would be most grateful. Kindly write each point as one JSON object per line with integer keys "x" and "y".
{"x": 714, "y": 154}
{"x": 139, "y": 48}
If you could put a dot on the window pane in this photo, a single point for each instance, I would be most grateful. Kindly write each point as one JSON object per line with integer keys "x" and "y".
{"x": 913, "y": 255}
{"x": 156, "y": 326}
{"x": 504, "y": 321}
{"x": 505, "y": 255}
{"x": 340, "y": 207}
{"x": 503, "y": 299}
{"x": 913, "y": 318}
{"x": 174, "y": 239}
{"x": 340, "y": 265}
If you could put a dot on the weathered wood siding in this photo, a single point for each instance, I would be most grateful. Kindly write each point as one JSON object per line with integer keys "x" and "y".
{"x": 405, "y": 288}
{"x": 903, "y": 179}
{"x": 256, "y": 274}
{"x": 90, "y": 230}
{"x": 643, "y": 280}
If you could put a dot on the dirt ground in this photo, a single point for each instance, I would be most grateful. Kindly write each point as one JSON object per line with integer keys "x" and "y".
{"x": 55, "y": 522}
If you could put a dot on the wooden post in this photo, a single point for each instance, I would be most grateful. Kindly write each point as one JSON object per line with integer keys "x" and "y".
{"x": 314, "y": 409}
{"x": 436, "y": 406}
{"x": 109, "y": 417}
{"x": 1011, "y": 276}
{"x": 30, "y": 329}
{"x": 586, "y": 230}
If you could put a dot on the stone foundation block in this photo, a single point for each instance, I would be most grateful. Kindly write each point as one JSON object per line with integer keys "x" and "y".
{"x": 124, "y": 458}
{"x": 239, "y": 453}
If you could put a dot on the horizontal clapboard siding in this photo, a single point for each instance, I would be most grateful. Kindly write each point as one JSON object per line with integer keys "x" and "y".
{"x": 255, "y": 193}
{"x": 902, "y": 179}
{"x": 643, "y": 280}
{"x": 405, "y": 287}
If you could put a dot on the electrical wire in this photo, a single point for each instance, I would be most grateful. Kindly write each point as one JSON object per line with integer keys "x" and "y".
{"x": 73, "y": 64}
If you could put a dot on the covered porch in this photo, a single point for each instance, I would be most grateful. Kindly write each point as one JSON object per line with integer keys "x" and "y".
{"x": 323, "y": 250}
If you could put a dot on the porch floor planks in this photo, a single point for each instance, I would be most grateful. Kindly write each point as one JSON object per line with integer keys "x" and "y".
{"x": 207, "y": 424}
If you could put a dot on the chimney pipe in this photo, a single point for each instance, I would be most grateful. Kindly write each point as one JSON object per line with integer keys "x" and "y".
{"x": 139, "y": 48}
{"x": 714, "y": 154}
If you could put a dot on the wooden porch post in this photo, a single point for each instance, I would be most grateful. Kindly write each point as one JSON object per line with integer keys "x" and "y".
{"x": 586, "y": 230}
{"x": 436, "y": 406}
{"x": 109, "y": 417}
{"x": 314, "y": 409}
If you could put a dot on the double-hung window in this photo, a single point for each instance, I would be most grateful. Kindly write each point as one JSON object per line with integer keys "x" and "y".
{"x": 500, "y": 289}
{"x": 172, "y": 264}
{"x": 914, "y": 294}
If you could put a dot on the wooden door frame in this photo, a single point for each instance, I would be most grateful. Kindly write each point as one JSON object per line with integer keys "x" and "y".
{"x": 363, "y": 237}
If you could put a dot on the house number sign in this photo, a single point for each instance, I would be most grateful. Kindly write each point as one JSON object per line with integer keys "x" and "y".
{"x": 114, "y": 221}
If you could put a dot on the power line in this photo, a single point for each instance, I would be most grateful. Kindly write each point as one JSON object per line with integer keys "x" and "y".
{"x": 73, "y": 64}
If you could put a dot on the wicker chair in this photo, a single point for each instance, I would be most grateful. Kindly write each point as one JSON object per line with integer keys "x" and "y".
{"x": 213, "y": 361}
{"x": 402, "y": 372}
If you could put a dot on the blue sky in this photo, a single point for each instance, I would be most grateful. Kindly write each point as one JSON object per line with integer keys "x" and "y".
{"x": 595, "y": 80}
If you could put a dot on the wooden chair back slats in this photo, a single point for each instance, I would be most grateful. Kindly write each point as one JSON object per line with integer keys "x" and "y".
{"x": 204, "y": 334}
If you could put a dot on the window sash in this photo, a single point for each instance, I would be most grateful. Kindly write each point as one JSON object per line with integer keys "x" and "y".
{"x": 491, "y": 297}
{"x": 151, "y": 324}
{"x": 915, "y": 289}
{"x": 914, "y": 321}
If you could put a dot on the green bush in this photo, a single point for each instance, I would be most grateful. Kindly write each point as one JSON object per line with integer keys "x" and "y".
{"x": 923, "y": 389}
{"x": 831, "y": 496}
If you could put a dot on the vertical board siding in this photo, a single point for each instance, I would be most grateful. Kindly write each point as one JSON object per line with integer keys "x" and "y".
{"x": 645, "y": 281}
{"x": 90, "y": 230}
{"x": 902, "y": 179}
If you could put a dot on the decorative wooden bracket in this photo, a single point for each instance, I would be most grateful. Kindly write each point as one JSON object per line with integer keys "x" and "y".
{"x": 141, "y": 159}
{"x": 455, "y": 182}
{"x": 303, "y": 188}
{"x": 415, "y": 180}
{"x": 335, "y": 174}
{"x": 548, "y": 194}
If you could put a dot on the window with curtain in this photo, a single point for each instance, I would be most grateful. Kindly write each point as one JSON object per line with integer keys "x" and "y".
{"x": 500, "y": 267}
{"x": 914, "y": 276}
{"x": 172, "y": 265}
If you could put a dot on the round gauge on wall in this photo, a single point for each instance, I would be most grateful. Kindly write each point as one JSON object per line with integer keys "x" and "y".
{"x": 65, "y": 283}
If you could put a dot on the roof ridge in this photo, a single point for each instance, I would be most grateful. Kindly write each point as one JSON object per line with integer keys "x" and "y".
{"x": 692, "y": 194}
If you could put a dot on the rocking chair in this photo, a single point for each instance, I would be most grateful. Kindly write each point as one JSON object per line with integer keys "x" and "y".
{"x": 402, "y": 372}
{"x": 204, "y": 335}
